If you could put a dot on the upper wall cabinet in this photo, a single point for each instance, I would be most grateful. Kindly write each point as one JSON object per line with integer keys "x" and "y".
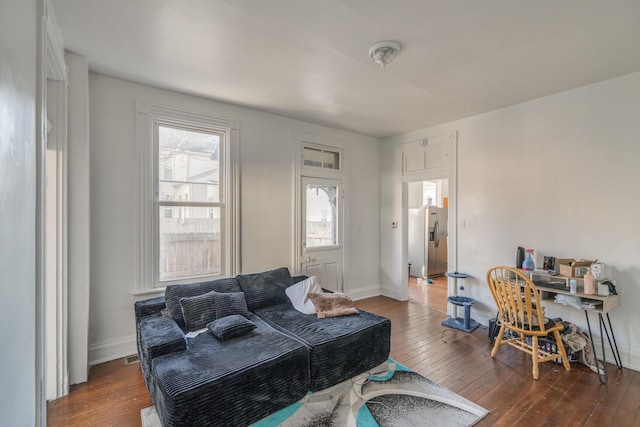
{"x": 429, "y": 155}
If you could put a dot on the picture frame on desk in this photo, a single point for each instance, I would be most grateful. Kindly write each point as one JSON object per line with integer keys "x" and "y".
{"x": 549, "y": 263}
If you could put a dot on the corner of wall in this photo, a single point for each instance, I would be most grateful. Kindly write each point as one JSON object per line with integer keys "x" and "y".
{"x": 365, "y": 292}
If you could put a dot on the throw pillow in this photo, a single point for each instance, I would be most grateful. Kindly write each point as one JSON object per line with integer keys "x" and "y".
{"x": 332, "y": 304}
{"x": 266, "y": 288}
{"x": 199, "y": 310}
{"x": 229, "y": 303}
{"x": 173, "y": 293}
{"x": 231, "y": 326}
{"x": 298, "y": 294}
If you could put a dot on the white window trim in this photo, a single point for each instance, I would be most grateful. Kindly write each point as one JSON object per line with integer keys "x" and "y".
{"x": 146, "y": 115}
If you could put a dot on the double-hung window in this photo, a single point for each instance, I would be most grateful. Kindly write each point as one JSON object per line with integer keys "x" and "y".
{"x": 188, "y": 196}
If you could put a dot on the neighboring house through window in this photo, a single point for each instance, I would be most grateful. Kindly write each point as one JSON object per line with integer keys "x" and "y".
{"x": 188, "y": 196}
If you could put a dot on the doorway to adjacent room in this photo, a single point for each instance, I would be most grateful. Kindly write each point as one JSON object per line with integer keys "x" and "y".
{"x": 427, "y": 231}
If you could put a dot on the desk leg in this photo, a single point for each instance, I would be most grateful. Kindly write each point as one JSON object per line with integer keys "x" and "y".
{"x": 614, "y": 347}
{"x": 604, "y": 374}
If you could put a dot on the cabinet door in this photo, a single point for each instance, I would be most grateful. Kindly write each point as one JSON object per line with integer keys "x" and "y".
{"x": 437, "y": 154}
{"x": 428, "y": 155}
{"x": 413, "y": 158}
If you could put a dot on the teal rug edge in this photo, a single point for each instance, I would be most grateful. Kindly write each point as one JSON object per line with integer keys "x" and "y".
{"x": 358, "y": 414}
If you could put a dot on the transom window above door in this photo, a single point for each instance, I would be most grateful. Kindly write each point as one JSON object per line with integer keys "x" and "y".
{"x": 321, "y": 157}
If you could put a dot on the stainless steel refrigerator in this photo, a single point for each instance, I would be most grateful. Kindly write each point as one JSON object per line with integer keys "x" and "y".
{"x": 428, "y": 241}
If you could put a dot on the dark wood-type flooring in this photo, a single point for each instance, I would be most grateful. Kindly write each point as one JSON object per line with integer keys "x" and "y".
{"x": 115, "y": 392}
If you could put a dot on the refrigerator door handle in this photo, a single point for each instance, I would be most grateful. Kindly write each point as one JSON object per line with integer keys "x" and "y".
{"x": 436, "y": 230}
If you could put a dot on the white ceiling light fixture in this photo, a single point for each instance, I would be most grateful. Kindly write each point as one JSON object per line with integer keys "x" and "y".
{"x": 384, "y": 52}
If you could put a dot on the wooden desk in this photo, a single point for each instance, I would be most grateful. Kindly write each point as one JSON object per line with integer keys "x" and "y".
{"x": 609, "y": 302}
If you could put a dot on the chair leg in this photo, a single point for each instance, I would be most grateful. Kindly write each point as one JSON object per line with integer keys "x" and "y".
{"x": 563, "y": 352}
{"x": 496, "y": 345}
{"x": 534, "y": 355}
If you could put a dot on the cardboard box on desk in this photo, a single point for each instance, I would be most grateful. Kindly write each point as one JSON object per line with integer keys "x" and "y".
{"x": 571, "y": 267}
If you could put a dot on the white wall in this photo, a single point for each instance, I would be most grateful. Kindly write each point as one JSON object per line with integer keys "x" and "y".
{"x": 19, "y": 394}
{"x": 267, "y": 205}
{"x": 558, "y": 174}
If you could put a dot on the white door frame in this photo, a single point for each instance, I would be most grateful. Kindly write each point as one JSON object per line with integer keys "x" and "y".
{"x": 299, "y": 138}
{"x": 56, "y": 253}
{"x": 53, "y": 315}
{"x": 452, "y": 227}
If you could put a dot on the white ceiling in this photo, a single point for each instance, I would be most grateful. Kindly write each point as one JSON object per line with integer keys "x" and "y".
{"x": 308, "y": 59}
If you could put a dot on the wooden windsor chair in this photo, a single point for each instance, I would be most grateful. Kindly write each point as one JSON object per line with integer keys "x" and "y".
{"x": 520, "y": 311}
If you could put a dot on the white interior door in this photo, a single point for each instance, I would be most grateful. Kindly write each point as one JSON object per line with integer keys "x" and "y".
{"x": 322, "y": 231}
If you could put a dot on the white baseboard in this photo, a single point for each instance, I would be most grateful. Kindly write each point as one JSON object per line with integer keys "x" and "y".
{"x": 374, "y": 291}
{"x": 480, "y": 316}
{"x": 104, "y": 352}
{"x": 392, "y": 293}
{"x": 628, "y": 357}
{"x": 362, "y": 293}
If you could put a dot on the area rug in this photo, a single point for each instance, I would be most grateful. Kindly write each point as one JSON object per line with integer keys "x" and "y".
{"x": 390, "y": 395}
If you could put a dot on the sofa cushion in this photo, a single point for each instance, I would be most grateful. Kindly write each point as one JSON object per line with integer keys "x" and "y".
{"x": 230, "y": 383}
{"x": 160, "y": 335}
{"x": 199, "y": 310}
{"x": 332, "y": 304}
{"x": 266, "y": 288}
{"x": 231, "y": 326}
{"x": 149, "y": 307}
{"x": 157, "y": 336}
{"x": 298, "y": 294}
{"x": 339, "y": 347}
{"x": 230, "y": 303}
{"x": 173, "y": 293}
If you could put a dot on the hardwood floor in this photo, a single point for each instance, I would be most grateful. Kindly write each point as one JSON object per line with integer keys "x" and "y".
{"x": 113, "y": 396}
{"x": 115, "y": 393}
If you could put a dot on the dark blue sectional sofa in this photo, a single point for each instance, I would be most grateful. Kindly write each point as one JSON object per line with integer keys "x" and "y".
{"x": 204, "y": 380}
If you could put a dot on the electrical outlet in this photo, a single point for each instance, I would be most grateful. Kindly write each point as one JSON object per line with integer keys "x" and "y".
{"x": 463, "y": 223}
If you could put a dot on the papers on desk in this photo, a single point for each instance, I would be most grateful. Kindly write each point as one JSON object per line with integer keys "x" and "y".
{"x": 570, "y": 300}
{"x": 544, "y": 271}
{"x": 589, "y": 303}
{"x": 577, "y": 302}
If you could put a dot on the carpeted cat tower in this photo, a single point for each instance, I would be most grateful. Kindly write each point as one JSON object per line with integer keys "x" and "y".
{"x": 466, "y": 323}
